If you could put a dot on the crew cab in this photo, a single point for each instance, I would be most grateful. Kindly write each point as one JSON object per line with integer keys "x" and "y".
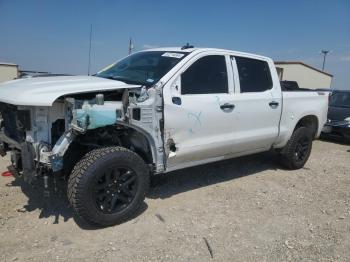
{"x": 152, "y": 112}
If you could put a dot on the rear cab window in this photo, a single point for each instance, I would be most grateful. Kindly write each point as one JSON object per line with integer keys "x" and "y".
{"x": 254, "y": 75}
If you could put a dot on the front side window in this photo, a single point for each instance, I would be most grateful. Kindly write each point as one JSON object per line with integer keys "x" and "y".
{"x": 208, "y": 75}
{"x": 145, "y": 68}
{"x": 254, "y": 75}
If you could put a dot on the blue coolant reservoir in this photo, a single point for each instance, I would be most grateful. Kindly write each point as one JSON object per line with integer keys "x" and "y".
{"x": 94, "y": 116}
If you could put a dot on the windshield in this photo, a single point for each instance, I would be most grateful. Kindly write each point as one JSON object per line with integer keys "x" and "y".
{"x": 144, "y": 68}
{"x": 341, "y": 99}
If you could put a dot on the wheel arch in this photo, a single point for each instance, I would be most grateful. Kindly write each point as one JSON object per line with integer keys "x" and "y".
{"x": 289, "y": 125}
{"x": 150, "y": 143}
{"x": 309, "y": 121}
{"x": 134, "y": 138}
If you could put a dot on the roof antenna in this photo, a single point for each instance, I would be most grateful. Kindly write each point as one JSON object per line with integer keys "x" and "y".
{"x": 187, "y": 46}
{"x": 131, "y": 46}
{"x": 90, "y": 50}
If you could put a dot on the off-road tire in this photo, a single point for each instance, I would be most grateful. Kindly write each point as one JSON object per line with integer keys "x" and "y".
{"x": 83, "y": 177}
{"x": 289, "y": 155}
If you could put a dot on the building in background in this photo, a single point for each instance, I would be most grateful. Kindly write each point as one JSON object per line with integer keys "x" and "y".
{"x": 8, "y": 71}
{"x": 306, "y": 75}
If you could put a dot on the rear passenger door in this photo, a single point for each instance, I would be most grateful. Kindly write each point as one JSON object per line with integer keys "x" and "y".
{"x": 258, "y": 103}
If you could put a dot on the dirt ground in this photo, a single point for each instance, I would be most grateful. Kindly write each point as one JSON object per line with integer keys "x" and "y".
{"x": 246, "y": 209}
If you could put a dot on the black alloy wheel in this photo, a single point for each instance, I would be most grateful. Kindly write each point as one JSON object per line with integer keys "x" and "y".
{"x": 108, "y": 185}
{"x": 302, "y": 148}
{"x": 297, "y": 151}
{"x": 114, "y": 189}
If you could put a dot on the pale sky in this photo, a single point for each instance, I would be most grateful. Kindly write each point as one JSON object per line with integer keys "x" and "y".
{"x": 54, "y": 35}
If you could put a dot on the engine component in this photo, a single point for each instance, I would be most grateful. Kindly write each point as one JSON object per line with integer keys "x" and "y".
{"x": 92, "y": 115}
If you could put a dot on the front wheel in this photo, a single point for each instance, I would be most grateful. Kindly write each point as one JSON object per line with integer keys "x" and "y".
{"x": 108, "y": 185}
{"x": 297, "y": 151}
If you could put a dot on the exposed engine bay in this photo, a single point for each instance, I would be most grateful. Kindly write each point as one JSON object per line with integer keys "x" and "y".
{"x": 45, "y": 140}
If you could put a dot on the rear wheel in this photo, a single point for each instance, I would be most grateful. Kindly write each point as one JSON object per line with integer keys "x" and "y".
{"x": 108, "y": 185}
{"x": 297, "y": 151}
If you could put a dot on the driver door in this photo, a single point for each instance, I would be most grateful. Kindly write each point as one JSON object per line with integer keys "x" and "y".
{"x": 199, "y": 111}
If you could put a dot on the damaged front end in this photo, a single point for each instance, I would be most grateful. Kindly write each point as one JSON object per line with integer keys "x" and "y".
{"x": 39, "y": 137}
{"x": 14, "y": 123}
{"x": 82, "y": 116}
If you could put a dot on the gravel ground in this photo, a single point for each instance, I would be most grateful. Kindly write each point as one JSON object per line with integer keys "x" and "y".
{"x": 246, "y": 209}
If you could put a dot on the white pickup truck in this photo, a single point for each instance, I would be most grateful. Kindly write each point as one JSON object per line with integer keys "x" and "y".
{"x": 152, "y": 112}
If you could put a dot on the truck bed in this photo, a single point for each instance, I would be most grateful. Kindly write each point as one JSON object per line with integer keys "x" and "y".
{"x": 296, "y": 105}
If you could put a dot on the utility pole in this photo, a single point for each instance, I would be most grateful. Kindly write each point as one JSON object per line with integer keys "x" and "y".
{"x": 324, "y": 52}
{"x": 90, "y": 50}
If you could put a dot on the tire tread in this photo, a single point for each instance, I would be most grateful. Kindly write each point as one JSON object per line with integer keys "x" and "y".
{"x": 287, "y": 154}
{"x": 79, "y": 171}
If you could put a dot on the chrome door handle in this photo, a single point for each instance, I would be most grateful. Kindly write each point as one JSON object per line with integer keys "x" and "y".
{"x": 273, "y": 104}
{"x": 227, "y": 107}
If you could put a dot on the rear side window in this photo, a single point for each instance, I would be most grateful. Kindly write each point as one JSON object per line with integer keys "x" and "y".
{"x": 254, "y": 75}
{"x": 208, "y": 75}
{"x": 341, "y": 99}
